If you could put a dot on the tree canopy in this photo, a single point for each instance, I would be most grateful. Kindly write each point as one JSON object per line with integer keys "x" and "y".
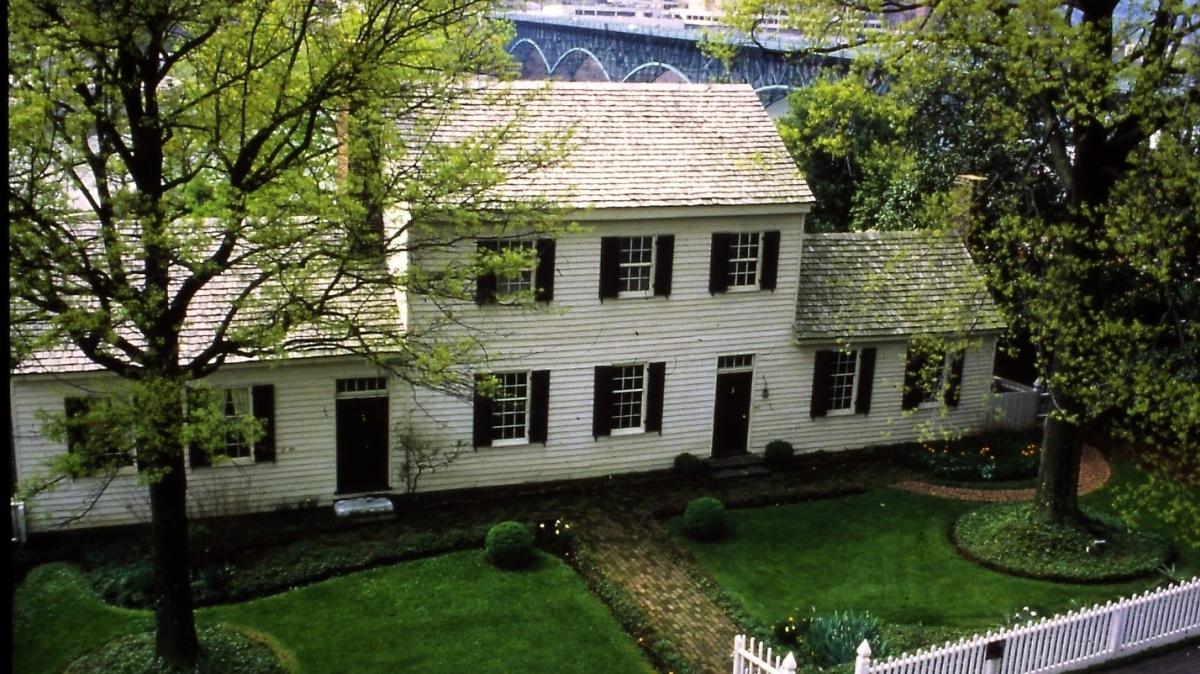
{"x": 1081, "y": 122}
{"x": 198, "y": 182}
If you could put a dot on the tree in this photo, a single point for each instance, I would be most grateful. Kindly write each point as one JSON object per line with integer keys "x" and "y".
{"x": 179, "y": 162}
{"x": 1081, "y": 119}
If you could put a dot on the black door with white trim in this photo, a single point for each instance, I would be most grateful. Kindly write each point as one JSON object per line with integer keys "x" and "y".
{"x": 731, "y": 414}
{"x": 362, "y": 452}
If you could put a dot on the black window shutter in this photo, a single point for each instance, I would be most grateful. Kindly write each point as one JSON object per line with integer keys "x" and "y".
{"x": 263, "y": 402}
{"x": 544, "y": 277}
{"x": 718, "y": 265}
{"x": 914, "y": 393}
{"x": 822, "y": 383}
{"x": 483, "y": 416}
{"x": 610, "y": 269}
{"x": 656, "y": 377}
{"x": 197, "y": 457}
{"x": 866, "y": 381}
{"x": 485, "y": 284}
{"x": 602, "y": 402}
{"x": 75, "y": 407}
{"x": 954, "y": 379}
{"x": 664, "y": 259}
{"x": 539, "y": 405}
{"x": 770, "y": 261}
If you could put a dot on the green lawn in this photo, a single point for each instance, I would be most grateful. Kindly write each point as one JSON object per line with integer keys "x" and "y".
{"x": 451, "y": 613}
{"x": 885, "y": 551}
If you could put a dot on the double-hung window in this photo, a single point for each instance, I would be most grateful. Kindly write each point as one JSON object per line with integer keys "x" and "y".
{"x": 511, "y": 408}
{"x": 842, "y": 381}
{"x": 538, "y": 278}
{"x": 743, "y": 261}
{"x": 240, "y": 403}
{"x": 97, "y": 435}
{"x": 236, "y": 403}
{"x": 628, "y": 399}
{"x": 931, "y": 379}
{"x": 636, "y": 266}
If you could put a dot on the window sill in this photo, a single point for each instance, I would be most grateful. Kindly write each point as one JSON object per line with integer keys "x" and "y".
{"x": 511, "y": 442}
{"x": 743, "y": 289}
{"x": 841, "y": 413}
{"x": 617, "y": 432}
{"x": 635, "y": 295}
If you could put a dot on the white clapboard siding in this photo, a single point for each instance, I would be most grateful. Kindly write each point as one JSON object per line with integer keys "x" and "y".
{"x": 305, "y": 466}
{"x": 688, "y": 331}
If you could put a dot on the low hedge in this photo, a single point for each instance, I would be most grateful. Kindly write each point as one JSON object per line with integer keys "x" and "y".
{"x": 222, "y": 650}
{"x": 1005, "y": 537}
{"x": 281, "y": 568}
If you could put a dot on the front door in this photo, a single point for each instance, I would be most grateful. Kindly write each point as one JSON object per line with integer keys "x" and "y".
{"x": 362, "y": 451}
{"x": 731, "y": 416}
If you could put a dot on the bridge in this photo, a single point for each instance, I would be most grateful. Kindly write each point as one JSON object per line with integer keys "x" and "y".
{"x": 577, "y": 50}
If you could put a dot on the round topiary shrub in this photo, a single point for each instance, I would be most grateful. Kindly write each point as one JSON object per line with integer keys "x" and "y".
{"x": 509, "y": 545}
{"x": 778, "y": 454}
{"x": 688, "y": 464}
{"x": 705, "y": 520}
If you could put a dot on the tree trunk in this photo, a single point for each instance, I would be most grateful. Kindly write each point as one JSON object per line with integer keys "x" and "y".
{"x": 175, "y": 628}
{"x": 1057, "y": 497}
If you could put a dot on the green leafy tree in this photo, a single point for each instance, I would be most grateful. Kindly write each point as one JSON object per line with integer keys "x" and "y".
{"x": 231, "y": 164}
{"x": 1081, "y": 121}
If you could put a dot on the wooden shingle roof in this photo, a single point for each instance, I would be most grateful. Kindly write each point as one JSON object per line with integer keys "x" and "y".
{"x": 640, "y": 145}
{"x": 879, "y": 284}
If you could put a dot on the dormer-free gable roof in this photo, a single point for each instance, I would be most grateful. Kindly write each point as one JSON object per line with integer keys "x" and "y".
{"x": 639, "y": 145}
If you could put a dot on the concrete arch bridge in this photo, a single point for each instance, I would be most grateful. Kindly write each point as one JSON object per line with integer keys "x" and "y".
{"x": 595, "y": 52}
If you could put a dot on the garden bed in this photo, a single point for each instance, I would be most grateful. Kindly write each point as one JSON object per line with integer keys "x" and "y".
{"x": 1098, "y": 549}
{"x": 996, "y": 457}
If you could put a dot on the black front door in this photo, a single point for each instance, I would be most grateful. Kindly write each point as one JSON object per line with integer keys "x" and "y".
{"x": 731, "y": 416}
{"x": 362, "y": 452}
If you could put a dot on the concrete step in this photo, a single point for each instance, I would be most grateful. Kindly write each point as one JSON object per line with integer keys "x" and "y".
{"x": 736, "y": 461}
{"x": 744, "y": 471}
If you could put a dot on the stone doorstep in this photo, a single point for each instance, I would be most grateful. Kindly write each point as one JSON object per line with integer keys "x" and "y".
{"x": 362, "y": 508}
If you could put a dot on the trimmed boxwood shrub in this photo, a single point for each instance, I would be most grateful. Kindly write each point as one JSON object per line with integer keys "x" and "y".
{"x": 509, "y": 545}
{"x": 778, "y": 454}
{"x": 688, "y": 464}
{"x": 704, "y": 519}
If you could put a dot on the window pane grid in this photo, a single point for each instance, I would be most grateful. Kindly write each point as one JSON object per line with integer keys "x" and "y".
{"x": 743, "y": 259}
{"x": 237, "y": 405}
{"x": 738, "y": 362}
{"x": 932, "y": 393}
{"x": 361, "y": 384}
{"x": 510, "y": 407}
{"x": 523, "y": 280}
{"x": 842, "y": 380}
{"x": 635, "y": 264}
{"x": 628, "y": 386}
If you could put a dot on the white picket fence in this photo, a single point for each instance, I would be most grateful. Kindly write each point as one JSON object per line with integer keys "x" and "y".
{"x": 749, "y": 658}
{"x": 1072, "y": 641}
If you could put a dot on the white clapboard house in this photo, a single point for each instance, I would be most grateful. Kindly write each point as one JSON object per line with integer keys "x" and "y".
{"x": 689, "y": 313}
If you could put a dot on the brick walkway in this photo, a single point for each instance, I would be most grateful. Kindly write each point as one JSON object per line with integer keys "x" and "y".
{"x": 1093, "y": 474}
{"x": 629, "y": 548}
